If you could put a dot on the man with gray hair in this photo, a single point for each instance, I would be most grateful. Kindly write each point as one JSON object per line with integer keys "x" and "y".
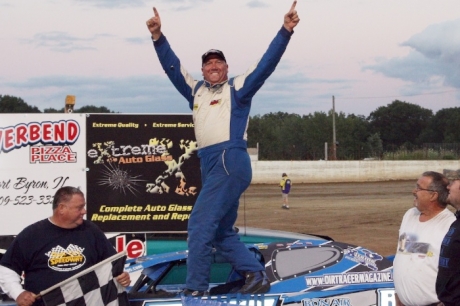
{"x": 420, "y": 235}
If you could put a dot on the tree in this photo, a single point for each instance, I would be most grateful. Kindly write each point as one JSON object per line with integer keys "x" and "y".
{"x": 53, "y": 110}
{"x": 84, "y": 109}
{"x": 10, "y": 104}
{"x": 399, "y": 123}
{"x": 271, "y": 131}
{"x": 93, "y": 109}
{"x": 278, "y": 135}
{"x": 352, "y": 134}
{"x": 374, "y": 145}
{"x": 316, "y": 130}
{"x": 446, "y": 126}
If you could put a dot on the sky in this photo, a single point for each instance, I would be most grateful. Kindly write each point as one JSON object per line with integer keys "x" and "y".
{"x": 364, "y": 53}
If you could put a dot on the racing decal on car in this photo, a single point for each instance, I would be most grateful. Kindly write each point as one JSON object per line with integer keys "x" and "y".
{"x": 337, "y": 279}
{"x": 363, "y": 256}
{"x": 327, "y": 302}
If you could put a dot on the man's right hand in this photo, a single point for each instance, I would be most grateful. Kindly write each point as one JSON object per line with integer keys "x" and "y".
{"x": 26, "y": 298}
{"x": 154, "y": 25}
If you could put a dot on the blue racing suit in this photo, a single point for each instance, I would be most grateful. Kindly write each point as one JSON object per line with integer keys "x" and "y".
{"x": 220, "y": 116}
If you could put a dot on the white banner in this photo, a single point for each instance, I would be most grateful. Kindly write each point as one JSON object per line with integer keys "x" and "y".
{"x": 39, "y": 153}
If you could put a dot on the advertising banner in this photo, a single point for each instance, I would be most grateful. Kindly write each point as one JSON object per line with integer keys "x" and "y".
{"x": 143, "y": 172}
{"x": 39, "y": 153}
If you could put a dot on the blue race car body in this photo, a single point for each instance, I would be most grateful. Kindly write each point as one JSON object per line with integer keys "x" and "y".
{"x": 314, "y": 271}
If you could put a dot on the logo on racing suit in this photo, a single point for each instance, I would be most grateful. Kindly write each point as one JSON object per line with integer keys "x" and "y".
{"x": 64, "y": 260}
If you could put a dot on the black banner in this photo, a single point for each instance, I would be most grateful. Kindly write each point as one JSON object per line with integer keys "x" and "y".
{"x": 143, "y": 172}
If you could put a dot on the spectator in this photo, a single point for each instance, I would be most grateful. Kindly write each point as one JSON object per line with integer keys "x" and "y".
{"x": 420, "y": 234}
{"x": 285, "y": 185}
{"x": 36, "y": 249}
{"x": 448, "y": 279}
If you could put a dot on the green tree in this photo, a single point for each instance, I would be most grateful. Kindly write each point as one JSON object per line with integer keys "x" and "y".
{"x": 316, "y": 131}
{"x": 399, "y": 123}
{"x": 266, "y": 131}
{"x": 445, "y": 126}
{"x": 352, "y": 133}
{"x": 84, "y": 109}
{"x": 10, "y": 104}
{"x": 53, "y": 110}
{"x": 277, "y": 135}
{"x": 374, "y": 145}
{"x": 93, "y": 109}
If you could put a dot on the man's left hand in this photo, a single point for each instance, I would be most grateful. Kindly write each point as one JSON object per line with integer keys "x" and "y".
{"x": 124, "y": 279}
{"x": 291, "y": 19}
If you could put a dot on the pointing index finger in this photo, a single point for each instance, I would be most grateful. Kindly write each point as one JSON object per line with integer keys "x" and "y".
{"x": 293, "y": 6}
{"x": 155, "y": 12}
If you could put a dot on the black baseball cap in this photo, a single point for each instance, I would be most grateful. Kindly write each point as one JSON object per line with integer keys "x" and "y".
{"x": 211, "y": 52}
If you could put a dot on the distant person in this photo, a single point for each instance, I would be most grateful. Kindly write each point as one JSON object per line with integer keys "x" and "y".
{"x": 285, "y": 185}
{"x": 448, "y": 280}
{"x": 420, "y": 235}
{"x": 220, "y": 108}
{"x": 38, "y": 250}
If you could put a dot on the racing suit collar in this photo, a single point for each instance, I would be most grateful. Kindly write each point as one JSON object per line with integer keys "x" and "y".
{"x": 215, "y": 86}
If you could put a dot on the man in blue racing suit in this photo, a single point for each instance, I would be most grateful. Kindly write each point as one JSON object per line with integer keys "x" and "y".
{"x": 220, "y": 114}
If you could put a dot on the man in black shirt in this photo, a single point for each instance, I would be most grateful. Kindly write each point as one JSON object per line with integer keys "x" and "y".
{"x": 448, "y": 278}
{"x": 54, "y": 249}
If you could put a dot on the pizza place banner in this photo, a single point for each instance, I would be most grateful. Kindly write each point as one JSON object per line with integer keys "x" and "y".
{"x": 140, "y": 173}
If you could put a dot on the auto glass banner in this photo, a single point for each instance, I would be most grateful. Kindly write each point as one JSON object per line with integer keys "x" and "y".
{"x": 39, "y": 153}
{"x": 143, "y": 172}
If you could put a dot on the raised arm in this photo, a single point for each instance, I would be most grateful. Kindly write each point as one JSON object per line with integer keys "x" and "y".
{"x": 250, "y": 82}
{"x": 170, "y": 63}
{"x": 291, "y": 19}
{"x": 154, "y": 25}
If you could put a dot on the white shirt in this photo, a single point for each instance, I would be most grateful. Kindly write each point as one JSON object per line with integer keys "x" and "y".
{"x": 416, "y": 262}
{"x": 10, "y": 282}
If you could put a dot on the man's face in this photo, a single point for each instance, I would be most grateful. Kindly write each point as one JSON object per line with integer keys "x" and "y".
{"x": 423, "y": 196}
{"x": 215, "y": 69}
{"x": 454, "y": 194}
{"x": 73, "y": 211}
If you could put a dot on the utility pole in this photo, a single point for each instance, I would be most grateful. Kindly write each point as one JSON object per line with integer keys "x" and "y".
{"x": 325, "y": 151}
{"x": 334, "y": 142}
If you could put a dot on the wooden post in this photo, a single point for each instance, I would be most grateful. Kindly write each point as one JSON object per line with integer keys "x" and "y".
{"x": 69, "y": 104}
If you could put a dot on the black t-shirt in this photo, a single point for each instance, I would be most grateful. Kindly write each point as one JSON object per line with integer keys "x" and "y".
{"x": 48, "y": 254}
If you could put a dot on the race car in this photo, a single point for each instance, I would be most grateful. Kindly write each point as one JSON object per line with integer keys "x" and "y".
{"x": 313, "y": 270}
{"x": 303, "y": 269}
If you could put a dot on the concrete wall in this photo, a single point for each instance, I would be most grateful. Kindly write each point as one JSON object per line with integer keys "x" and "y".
{"x": 269, "y": 172}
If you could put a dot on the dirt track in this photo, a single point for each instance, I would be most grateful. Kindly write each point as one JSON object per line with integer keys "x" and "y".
{"x": 365, "y": 214}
